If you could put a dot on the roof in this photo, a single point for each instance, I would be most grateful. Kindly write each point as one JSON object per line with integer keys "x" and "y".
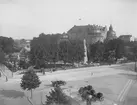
{"x": 125, "y": 36}
{"x": 87, "y": 28}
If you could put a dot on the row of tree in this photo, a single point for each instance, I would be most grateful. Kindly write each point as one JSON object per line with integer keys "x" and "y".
{"x": 111, "y": 51}
{"x": 49, "y": 49}
{"x": 9, "y": 51}
{"x": 6, "y": 47}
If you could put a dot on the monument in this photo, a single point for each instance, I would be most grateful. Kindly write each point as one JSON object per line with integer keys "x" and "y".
{"x": 85, "y": 52}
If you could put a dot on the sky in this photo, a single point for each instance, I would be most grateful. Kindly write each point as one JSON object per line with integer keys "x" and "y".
{"x": 28, "y": 18}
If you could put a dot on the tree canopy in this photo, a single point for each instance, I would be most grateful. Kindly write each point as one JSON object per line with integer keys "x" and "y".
{"x": 30, "y": 80}
{"x": 49, "y": 48}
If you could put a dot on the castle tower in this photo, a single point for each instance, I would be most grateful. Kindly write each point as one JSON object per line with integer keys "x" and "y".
{"x": 111, "y": 34}
{"x": 110, "y": 27}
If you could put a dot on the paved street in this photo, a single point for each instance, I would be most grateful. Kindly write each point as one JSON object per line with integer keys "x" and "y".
{"x": 113, "y": 81}
{"x": 131, "y": 98}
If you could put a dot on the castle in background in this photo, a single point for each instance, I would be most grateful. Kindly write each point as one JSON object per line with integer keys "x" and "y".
{"x": 111, "y": 34}
{"x": 91, "y": 33}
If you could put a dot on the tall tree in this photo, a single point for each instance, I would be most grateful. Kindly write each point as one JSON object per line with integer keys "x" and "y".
{"x": 134, "y": 50}
{"x": 30, "y": 81}
{"x": 6, "y": 44}
{"x": 57, "y": 97}
{"x": 116, "y": 46}
{"x": 63, "y": 51}
{"x": 2, "y": 56}
{"x": 71, "y": 51}
{"x": 44, "y": 49}
{"x": 76, "y": 51}
{"x": 96, "y": 52}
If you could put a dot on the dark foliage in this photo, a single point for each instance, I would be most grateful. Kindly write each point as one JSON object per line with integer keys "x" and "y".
{"x": 49, "y": 49}
{"x": 58, "y": 83}
{"x": 96, "y": 52}
{"x": 56, "y": 96}
{"x": 44, "y": 49}
{"x": 108, "y": 51}
{"x": 2, "y": 57}
{"x": 30, "y": 80}
{"x": 71, "y": 51}
{"x": 6, "y": 44}
{"x": 24, "y": 64}
{"x": 84, "y": 92}
{"x": 99, "y": 96}
{"x": 6, "y": 47}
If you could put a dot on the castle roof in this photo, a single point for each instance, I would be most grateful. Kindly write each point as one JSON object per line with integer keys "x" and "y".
{"x": 87, "y": 28}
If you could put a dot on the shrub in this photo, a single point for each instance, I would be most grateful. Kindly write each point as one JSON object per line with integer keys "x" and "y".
{"x": 84, "y": 92}
{"x": 58, "y": 83}
{"x": 100, "y": 96}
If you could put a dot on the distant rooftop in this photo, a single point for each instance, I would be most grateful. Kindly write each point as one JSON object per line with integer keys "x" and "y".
{"x": 87, "y": 28}
{"x": 125, "y": 36}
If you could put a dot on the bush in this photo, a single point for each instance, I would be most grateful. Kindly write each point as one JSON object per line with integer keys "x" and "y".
{"x": 100, "y": 96}
{"x": 58, "y": 83}
{"x": 54, "y": 69}
{"x": 84, "y": 92}
{"x": 81, "y": 90}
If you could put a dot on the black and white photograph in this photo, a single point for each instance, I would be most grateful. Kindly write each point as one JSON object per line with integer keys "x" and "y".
{"x": 68, "y": 52}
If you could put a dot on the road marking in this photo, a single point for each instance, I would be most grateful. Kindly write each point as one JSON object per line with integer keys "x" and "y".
{"x": 125, "y": 90}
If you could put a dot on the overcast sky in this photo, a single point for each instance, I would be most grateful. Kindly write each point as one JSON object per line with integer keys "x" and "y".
{"x": 29, "y": 18}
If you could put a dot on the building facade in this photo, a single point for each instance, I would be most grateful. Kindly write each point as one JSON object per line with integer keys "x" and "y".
{"x": 125, "y": 38}
{"x": 92, "y": 33}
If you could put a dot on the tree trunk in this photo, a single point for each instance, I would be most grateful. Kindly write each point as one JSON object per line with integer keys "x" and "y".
{"x": 65, "y": 65}
{"x": 55, "y": 65}
{"x": 12, "y": 73}
{"x": 31, "y": 94}
{"x": 6, "y": 78}
{"x": 135, "y": 66}
{"x": 4, "y": 75}
{"x": 43, "y": 71}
